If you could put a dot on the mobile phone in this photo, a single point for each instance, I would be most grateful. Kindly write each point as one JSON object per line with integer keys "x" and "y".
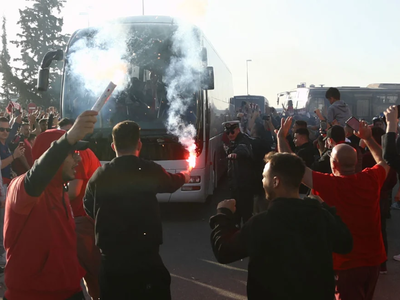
{"x": 21, "y": 144}
{"x": 353, "y": 123}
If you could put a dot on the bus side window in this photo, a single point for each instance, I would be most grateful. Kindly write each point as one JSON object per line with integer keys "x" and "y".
{"x": 362, "y": 105}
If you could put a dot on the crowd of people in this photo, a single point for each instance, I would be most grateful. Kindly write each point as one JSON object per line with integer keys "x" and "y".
{"x": 309, "y": 210}
{"x": 345, "y": 177}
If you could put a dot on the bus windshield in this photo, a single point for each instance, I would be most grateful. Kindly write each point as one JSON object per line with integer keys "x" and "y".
{"x": 144, "y": 100}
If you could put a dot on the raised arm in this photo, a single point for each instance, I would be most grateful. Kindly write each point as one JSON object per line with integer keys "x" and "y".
{"x": 283, "y": 146}
{"x": 389, "y": 139}
{"x": 14, "y": 129}
{"x": 169, "y": 183}
{"x": 33, "y": 123}
{"x": 365, "y": 133}
{"x": 45, "y": 168}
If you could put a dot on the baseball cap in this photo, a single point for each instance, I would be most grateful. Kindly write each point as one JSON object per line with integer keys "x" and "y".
{"x": 336, "y": 133}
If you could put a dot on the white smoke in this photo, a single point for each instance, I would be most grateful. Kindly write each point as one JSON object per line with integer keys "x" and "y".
{"x": 101, "y": 59}
{"x": 183, "y": 79}
{"x": 95, "y": 60}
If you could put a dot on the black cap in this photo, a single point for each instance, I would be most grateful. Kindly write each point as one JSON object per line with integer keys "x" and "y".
{"x": 336, "y": 133}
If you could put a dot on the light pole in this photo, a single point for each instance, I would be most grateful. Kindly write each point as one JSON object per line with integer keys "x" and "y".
{"x": 247, "y": 74}
{"x": 143, "y": 7}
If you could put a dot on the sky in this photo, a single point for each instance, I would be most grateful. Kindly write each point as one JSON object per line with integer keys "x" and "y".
{"x": 340, "y": 43}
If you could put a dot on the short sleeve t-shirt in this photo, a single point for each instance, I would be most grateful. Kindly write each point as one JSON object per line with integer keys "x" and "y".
{"x": 356, "y": 198}
{"x": 84, "y": 171}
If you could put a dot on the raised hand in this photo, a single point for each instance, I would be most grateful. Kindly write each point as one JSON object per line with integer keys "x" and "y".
{"x": 19, "y": 151}
{"x": 364, "y": 132}
{"x": 286, "y": 124}
{"x": 83, "y": 126}
{"x": 391, "y": 114}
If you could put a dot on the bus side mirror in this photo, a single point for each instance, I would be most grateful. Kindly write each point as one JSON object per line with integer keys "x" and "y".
{"x": 208, "y": 81}
{"x": 44, "y": 72}
{"x": 43, "y": 80}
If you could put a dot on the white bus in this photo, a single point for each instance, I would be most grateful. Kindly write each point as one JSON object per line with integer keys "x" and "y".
{"x": 151, "y": 43}
{"x": 365, "y": 102}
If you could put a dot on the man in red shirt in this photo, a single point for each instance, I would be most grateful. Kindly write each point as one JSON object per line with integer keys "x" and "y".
{"x": 39, "y": 229}
{"x": 88, "y": 253}
{"x": 356, "y": 197}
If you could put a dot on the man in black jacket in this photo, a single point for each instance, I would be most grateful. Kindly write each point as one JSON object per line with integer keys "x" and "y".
{"x": 240, "y": 171}
{"x": 121, "y": 198}
{"x": 305, "y": 150}
{"x": 308, "y": 228}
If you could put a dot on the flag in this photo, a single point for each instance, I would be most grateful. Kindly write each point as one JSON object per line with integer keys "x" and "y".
{"x": 16, "y": 105}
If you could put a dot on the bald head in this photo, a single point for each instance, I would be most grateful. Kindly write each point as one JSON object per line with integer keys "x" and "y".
{"x": 344, "y": 159}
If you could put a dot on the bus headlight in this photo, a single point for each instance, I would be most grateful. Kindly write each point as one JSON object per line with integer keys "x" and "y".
{"x": 195, "y": 179}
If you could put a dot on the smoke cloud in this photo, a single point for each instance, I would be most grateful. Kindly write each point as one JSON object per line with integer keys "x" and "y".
{"x": 183, "y": 78}
{"x": 97, "y": 61}
{"x": 193, "y": 10}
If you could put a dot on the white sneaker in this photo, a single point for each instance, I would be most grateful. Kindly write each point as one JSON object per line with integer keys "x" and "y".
{"x": 396, "y": 257}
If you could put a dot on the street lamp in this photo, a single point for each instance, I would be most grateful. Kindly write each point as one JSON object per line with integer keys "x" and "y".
{"x": 247, "y": 74}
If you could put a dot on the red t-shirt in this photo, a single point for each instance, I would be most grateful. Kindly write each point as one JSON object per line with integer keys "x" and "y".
{"x": 356, "y": 198}
{"x": 84, "y": 171}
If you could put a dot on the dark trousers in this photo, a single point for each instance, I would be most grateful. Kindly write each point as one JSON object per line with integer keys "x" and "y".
{"x": 356, "y": 284}
{"x": 244, "y": 205}
{"x": 134, "y": 286}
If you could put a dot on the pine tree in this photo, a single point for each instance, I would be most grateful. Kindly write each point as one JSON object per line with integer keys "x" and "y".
{"x": 41, "y": 27}
{"x": 5, "y": 63}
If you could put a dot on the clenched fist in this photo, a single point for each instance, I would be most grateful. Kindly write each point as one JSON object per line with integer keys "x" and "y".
{"x": 230, "y": 204}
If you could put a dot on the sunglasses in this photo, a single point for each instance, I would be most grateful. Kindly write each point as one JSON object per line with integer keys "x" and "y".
{"x": 228, "y": 132}
{"x": 2, "y": 129}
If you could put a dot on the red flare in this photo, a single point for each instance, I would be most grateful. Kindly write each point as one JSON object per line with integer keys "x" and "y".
{"x": 192, "y": 157}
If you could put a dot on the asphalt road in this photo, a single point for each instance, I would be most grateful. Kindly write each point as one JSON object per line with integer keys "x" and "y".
{"x": 188, "y": 255}
{"x": 195, "y": 273}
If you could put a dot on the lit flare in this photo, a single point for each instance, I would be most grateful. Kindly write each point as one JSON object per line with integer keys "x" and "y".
{"x": 192, "y": 157}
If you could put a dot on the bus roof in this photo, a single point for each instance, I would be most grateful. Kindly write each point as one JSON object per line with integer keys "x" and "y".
{"x": 373, "y": 86}
{"x": 147, "y": 19}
